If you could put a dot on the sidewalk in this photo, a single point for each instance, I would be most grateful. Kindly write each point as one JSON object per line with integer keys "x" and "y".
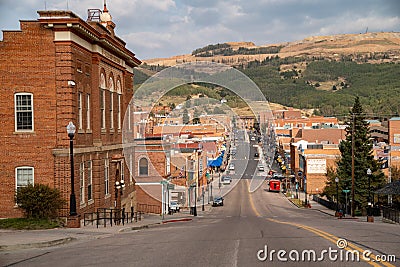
{"x": 316, "y": 206}
{"x": 24, "y": 239}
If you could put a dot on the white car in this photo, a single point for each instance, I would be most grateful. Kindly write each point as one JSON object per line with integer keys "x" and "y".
{"x": 261, "y": 167}
{"x": 231, "y": 166}
{"x": 226, "y": 180}
{"x": 174, "y": 206}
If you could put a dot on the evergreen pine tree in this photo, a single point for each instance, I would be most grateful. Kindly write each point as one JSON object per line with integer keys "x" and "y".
{"x": 185, "y": 116}
{"x": 357, "y": 131}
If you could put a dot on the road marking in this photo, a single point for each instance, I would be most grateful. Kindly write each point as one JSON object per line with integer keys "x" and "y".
{"x": 251, "y": 200}
{"x": 236, "y": 252}
{"x": 321, "y": 233}
{"x": 334, "y": 239}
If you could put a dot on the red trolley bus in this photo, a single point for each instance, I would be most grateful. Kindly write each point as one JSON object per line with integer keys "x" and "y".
{"x": 274, "y": 185}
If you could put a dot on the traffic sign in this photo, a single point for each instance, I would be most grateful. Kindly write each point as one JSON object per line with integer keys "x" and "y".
{"x": 171, "y": 186}
{"x": 346, "y": 191}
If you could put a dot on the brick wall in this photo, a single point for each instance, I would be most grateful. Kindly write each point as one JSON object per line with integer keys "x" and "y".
{"x": 31, "y": 61}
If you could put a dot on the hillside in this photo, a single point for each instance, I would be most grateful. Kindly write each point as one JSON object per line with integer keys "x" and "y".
{"x": 329, "y": 47}
{"x": 321, "y": 73}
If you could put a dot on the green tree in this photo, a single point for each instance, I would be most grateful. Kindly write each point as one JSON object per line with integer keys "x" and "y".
{"x": 196, "y": 117}
{"x": 185, "y": 116}
{"x": 358, "y": 131}
{"x": 39, "y": 201}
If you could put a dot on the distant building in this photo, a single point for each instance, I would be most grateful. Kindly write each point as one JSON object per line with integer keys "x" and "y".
{"x": 54, "y": 70}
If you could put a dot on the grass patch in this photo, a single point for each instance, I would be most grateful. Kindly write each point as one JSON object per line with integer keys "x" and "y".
{"x": 28, "y": 224}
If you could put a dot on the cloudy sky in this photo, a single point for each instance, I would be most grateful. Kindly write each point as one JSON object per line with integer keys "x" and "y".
{"x": 163, "y": 28}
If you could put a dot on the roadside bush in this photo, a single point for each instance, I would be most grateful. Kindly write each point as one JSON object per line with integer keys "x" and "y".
{"x": 39, "y": 201}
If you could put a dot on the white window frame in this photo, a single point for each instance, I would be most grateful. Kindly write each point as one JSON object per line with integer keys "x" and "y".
{"x": 16, "y": 111}
{"x": 119, "y": 111}
{"x": 106, "y": 177}
{"x": 119, "y": 94}
{"x": 82, "y": 182}
{"x": 103, "y": 108}
{"x": 16, "y": 176}
{"x": 80, "y": 111}
{"x": 89, "y": 180}
{"x": 88, "y": 112}
{"x": 111, "y": 110}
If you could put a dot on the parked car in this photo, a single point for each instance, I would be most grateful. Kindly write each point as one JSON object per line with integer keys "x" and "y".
{"x": 218, "y": 201}
{"x": 256, "y": 155}
{"x": 261, "y": 167}
{"x": 226, "y": 180}
{"x": 174, "y": 206}
{"x": 232, "y": 166}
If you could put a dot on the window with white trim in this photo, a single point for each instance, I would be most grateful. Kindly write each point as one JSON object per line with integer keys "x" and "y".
{"x": 23, "y": 112}
{"x": 123, "y": 171}
{"x": 82, "y": 182}
{"x": 111, "y": 110}
{"x": 80, "y": 112}
{"x": 102, "y": 108}
{"x": 102, "y": 101}
{"x": 106, "y": 177}
{"x": 89, "y": 180}
{"x": 88, "y": 111}
{"x": 119, "y": 111}
{"x": 119, "y": 92}
{"x": 111, "y": 87}
{"x": 24, "y": 176}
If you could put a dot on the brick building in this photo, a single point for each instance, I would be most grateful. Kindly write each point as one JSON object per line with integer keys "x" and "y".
{"x": 56, "y": 69}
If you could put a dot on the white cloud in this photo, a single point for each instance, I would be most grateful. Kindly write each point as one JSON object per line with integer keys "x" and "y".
{"x": 155, "y": 28}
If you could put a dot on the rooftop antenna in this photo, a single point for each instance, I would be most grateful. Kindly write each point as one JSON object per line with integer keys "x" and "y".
{"x": 67, "y": 5}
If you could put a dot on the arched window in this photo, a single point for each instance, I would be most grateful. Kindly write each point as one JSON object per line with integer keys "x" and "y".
{"x": 143, "y": 167}
{"x": 103, "y": 100}
{"x": 119, "y": 92}
{"x": 111, "y": 87}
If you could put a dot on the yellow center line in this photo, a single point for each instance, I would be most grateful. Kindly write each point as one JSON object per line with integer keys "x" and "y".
{"x": 325, "y": 235}
{"x": 251, "y": 200}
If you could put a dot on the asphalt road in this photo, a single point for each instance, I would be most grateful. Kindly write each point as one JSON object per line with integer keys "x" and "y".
{"x": 232, "y": 235}
{"x": 251, "y": 229}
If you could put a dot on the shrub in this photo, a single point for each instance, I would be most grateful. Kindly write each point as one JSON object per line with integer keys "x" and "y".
{"x": 39, "y": 201}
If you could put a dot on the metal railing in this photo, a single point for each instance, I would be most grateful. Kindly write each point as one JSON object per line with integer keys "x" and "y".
{"x": 105, "y": 216}
{"x": 391, "y": 214}
{"x": 331, "y": 205}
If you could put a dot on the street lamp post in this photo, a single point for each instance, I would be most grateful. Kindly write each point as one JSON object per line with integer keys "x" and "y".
{"x": 203, "y": 193}
{"x": 195, "y": 201}
{"x": 337, "y": 195}
{"x": 119, "y": 185}
{"x": 305, "y": 190}
{"x": 72, "y": 199}
{"x": 370, "y": 218}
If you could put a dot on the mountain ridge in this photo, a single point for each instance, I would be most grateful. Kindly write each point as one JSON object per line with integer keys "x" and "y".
{"x": 329, "y": 46}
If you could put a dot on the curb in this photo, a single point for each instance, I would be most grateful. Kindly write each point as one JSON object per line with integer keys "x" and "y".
{"x": 134, "y": 228}
{"x": 177, "y": 220}
{"x": 39, "y": 244}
